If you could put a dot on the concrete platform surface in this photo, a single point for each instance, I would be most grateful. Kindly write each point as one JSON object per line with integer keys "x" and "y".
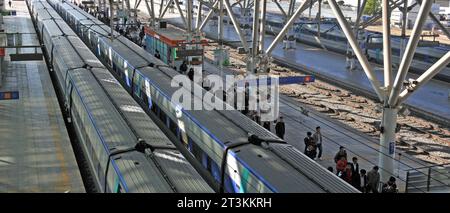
{"x": 35, "y": 150}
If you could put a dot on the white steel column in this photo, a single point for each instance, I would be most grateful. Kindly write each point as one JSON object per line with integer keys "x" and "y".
{"x": 220, "y": 22}
{"x": 409, "y": 51}
{"x": 199, "y": 15}
{"x": 189, "y": 16}
{"x": 387, "y": 143}
{"x": 208, "y": 16}
{"x": 236, "y": 24}
{"x": 361, "y": 57}
{"x": 255, "y": 35}
{"x": 262, "y": 29}
{"x": 387, "y": 53}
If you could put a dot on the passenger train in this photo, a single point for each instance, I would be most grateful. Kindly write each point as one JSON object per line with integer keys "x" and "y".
{"x": 107, "y": 120}
{"x": 237, "y": 154}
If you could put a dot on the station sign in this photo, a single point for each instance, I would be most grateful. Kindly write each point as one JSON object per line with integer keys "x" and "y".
{"x": 10, "y": 95}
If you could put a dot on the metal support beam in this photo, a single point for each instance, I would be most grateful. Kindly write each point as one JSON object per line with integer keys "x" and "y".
{"x": 280, "y": 8}
{"x": 237, "y": 25}
{"x": 356, "y": 49}
{"x": 208, "y": 16}
{"x": 319, "y": 19}
{"x": 409, "y": 51}
{"x": 163, "y": 11}
{"x": 256, "y": 25}
{"x": 189, "y": 16}
{"x": 287, "y": 26}
{"x": 199, "y": 15}
{"x": 262, "y": 28}
{"x": 181, "y": 13}
{"x": 387, "y": 53}
{"x": 425, "y": 77}
{"x": 220, "y": 22}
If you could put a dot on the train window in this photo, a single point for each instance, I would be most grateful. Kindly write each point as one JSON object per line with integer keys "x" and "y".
{"x": 137, "y": 85}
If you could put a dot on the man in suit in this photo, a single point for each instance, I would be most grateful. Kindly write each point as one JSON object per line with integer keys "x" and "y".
{"x": 356, "y": 178}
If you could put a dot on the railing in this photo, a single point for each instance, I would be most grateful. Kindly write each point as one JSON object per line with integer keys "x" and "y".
{"x": 416, "y": 177}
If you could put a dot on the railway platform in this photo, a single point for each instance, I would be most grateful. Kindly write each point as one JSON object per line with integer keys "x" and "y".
{"x": 335, "y": 134}
{"x": 35, "y": 150}
{"x": 431, "y": 101}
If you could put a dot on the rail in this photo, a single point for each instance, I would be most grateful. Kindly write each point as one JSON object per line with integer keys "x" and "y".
{"x": 429, "y": 176}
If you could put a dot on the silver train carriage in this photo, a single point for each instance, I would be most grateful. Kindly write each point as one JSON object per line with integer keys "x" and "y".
{"x": 218, "y": 139}
{"x": 106, "y": 119}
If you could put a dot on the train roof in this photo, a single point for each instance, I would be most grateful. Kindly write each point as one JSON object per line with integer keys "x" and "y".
{"x": 164, "y": 170}
{"x": 287, "y": 169}
{"x": 299, "y": 175}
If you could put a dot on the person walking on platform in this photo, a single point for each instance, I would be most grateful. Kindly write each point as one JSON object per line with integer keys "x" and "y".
{"x": 183, "y": 67}
{"x": 157, "y": 55}
{"x": 341, "y": 167}
{"x": 307, "y": 141}
{"x": 279, "y": 128}
{"x": 340, "y": 153}
{"x": 390, "y": 186}
{"x": 356, "y": 178}
{"x": 191, "y": 74}
{"x": 311, "y": 147}
{"x": 363, "y": 181}
{"x": 318, "y": 139}
{"x": 373, "y": 178}
{"x": 9, "y": 2}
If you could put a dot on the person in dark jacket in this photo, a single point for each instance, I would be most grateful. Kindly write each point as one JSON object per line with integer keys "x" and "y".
{"x": 157, "y": 55}
{"x": 356, "y": 178}
{"x": 363, "y": 181}
{"x": 183, "y": 67}
{"x": 191, "y": 74}
{"x": 307, "y": 141}
{"x": 279, "y": 128}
